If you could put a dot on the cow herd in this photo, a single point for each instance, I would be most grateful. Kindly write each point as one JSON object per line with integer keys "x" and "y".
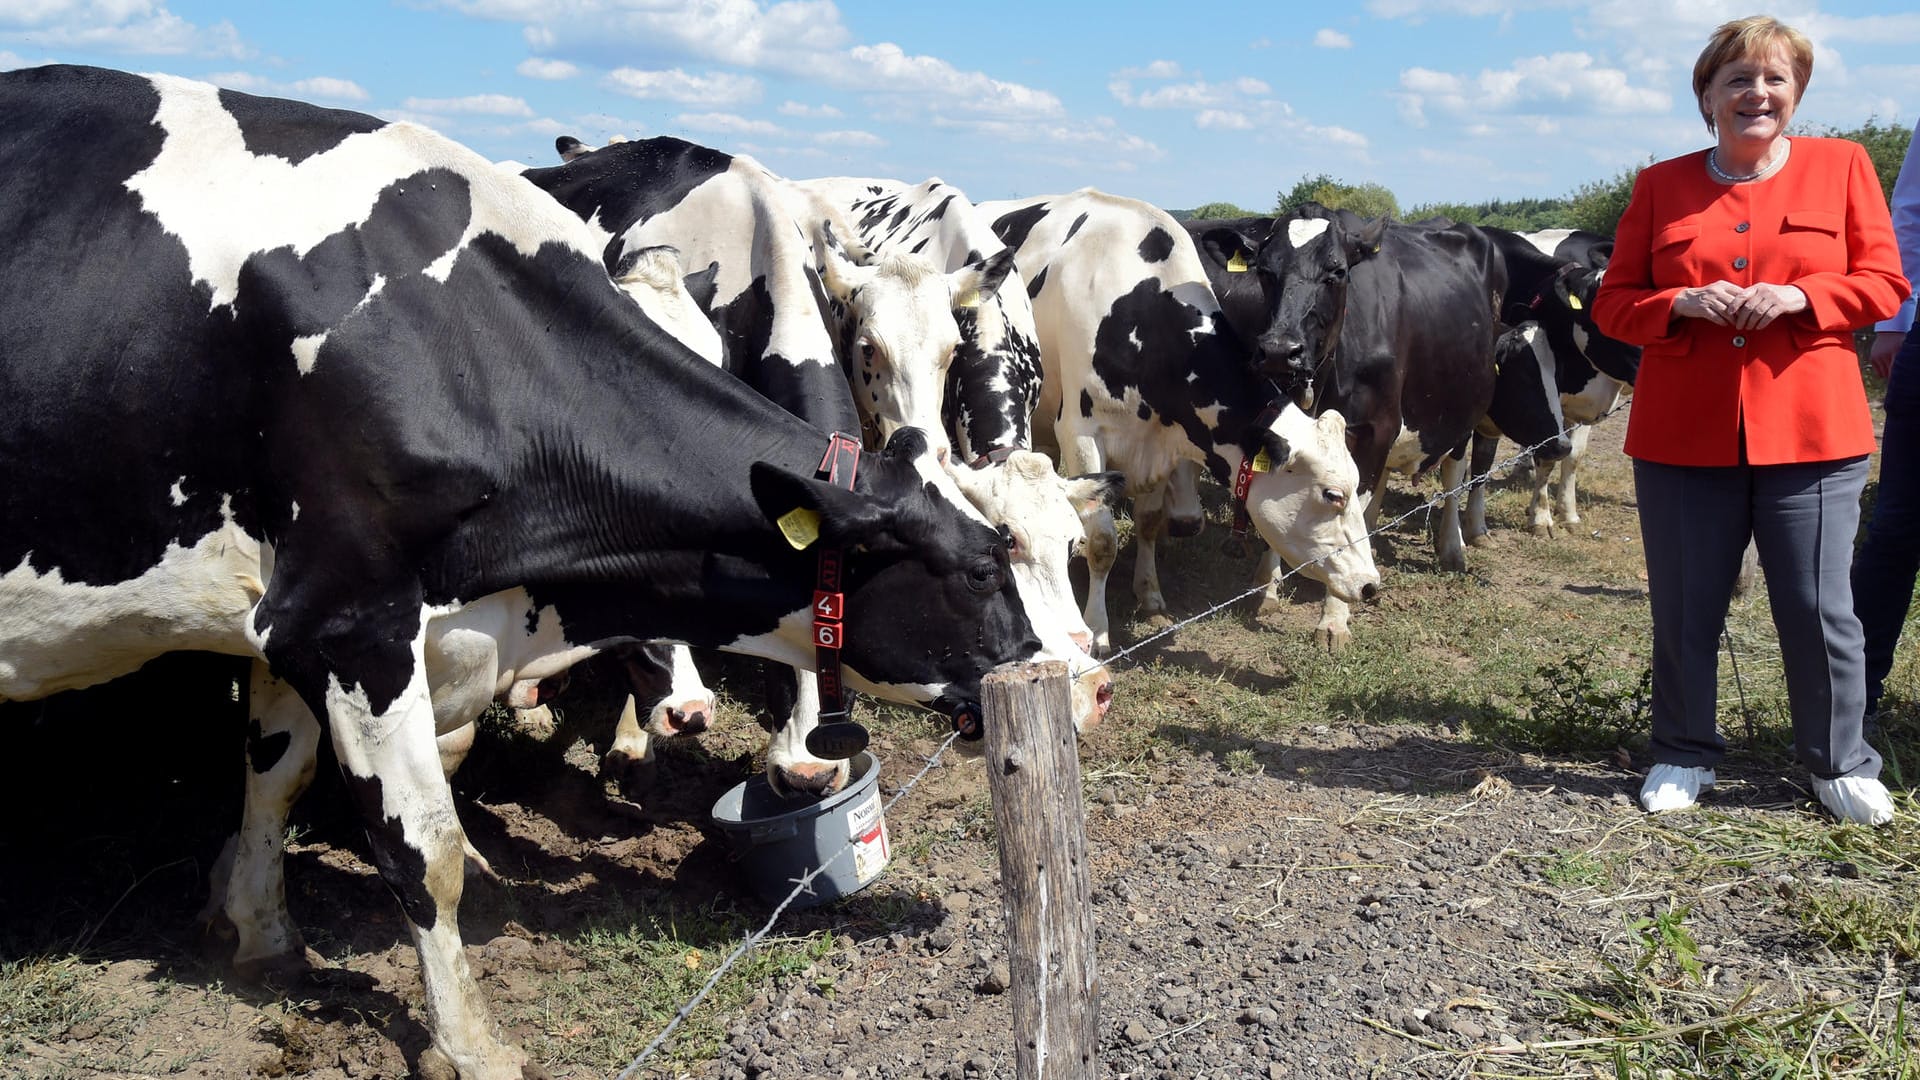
{"x": 415, "y": 431}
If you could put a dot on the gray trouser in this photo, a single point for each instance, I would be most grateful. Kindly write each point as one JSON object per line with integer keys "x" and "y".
{"x": 1695, "y": 522}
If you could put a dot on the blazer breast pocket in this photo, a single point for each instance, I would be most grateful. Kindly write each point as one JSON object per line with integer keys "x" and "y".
{"x": 1676, "y": 262}
{"x": 1812, "y": 241}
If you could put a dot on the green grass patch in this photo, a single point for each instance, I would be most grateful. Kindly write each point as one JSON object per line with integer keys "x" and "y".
{"x": 40, "y": 998}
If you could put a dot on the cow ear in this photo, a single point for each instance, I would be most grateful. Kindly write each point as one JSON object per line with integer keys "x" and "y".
{"x": 979, "y": 280}
{"x": 657, "y": 265}
{"x": 839, "y": 272}
{"x": 569, "y": 147}
{"x": 1333, "y": 424}
{"x": 1365, "y": 243}
{"x": 1090, "y": 491}
{"x": 805, "y": 509}
{"x": 1228, "y": 247}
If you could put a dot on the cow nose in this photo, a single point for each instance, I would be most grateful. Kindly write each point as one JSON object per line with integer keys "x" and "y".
{"x": 1369, "y": 591}
{"x": 1555, "y": 450}
{"x": 689, "y": 719}
{"x": 1102, "y": 700}
{"x": 1281, "y": 353}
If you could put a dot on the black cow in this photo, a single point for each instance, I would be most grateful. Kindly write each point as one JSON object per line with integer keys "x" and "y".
{"x": 338, "y": 394}
{"x": 1391, "y": 325}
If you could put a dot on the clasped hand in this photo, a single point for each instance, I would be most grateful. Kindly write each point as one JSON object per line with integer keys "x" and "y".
{"x": 1747, "y": 307}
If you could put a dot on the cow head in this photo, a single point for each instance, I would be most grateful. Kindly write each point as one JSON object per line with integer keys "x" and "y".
{"x": 1573, "y": 293}
{"x": 1526, "y": 392}
{"x": 1304, "y": 264}
{"x": 1306, "y": 506}
{"x": 898, "y": 328}
{"x": 932, "y": 603}
{"x": 652, "y": 276}
{"x": 1041, "y": 513}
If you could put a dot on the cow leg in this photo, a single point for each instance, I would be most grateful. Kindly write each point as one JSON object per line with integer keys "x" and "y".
{"x": 248, "y": 886}
{"x": 1149, "y": 525}
{"x": 1080, "y": 455}
{"x": 1449, "y": 549}
{"x": 791, "y": 769}
{"x": 681, "y": 705}
{"x": 1332, "y": 633}
{"x": 1474, "y": 529}
{"x": 1185, "y": 515}
{"x": 1570, "y": 474}
{"x": 1270, "y": 571}
{"x": 1540, "y": 507}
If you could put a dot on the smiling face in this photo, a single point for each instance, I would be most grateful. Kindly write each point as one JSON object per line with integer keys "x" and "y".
{"x": 1751, "y": 98}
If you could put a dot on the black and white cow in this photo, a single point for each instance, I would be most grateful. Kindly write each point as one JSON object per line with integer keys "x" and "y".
{"x": 1584, "y": 257}
{"x": 1393, "y": 326}
{"x": 1142, "y": 374}
{"x": 755, "y": 273}
{"x": 994, "y": 381}
{"x": 338, "y": 394}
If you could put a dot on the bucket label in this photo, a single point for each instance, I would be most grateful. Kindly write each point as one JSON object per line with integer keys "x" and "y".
{"x": 868, "y": 831}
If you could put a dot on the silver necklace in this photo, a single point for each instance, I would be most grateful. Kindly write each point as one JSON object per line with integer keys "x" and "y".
{"x": 1713, "y": 166}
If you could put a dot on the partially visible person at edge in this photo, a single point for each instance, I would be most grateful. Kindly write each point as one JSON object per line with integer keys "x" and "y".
{"x": 1743, "y": 269}
{"x": 1885, "y": 566}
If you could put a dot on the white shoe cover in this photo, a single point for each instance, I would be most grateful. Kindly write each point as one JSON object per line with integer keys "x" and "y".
{"x": 1859, "y": 799}
{"x": 1674, "y": 787}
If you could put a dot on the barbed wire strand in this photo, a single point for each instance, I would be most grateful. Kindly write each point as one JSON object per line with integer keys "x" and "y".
{"x": 1426, "y": 507}
{"x": 802, "y": 884}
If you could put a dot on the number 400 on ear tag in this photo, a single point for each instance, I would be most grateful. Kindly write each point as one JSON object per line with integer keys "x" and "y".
{"x": 800, "y": 526}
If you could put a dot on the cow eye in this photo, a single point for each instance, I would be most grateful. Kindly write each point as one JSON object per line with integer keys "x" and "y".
{"x": 1337, "y": 274}
{"x": 1012, "y": 542}
{"x": 983, "y": 576}
{"x": 866, "y": 349}
{"x": 1335, "y": 497}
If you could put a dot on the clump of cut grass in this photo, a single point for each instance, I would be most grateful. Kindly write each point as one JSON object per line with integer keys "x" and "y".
{"x": 1575, "y": 706}
{"x": 1577, "y": 869}
{"x": 40, "y": 998}
{"x": 1849, "y": 922}
{"x": 652, "y": 963}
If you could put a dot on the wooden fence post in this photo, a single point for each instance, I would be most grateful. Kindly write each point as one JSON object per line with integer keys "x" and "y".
{"x": 1033, "y": 773}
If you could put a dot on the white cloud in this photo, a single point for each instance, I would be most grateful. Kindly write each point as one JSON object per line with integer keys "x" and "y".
{"x": 1188, "y": 95}
{"x": 1567, "y": 83}
{"x": 1260, "y": 43}
{"x": 721, "y": 88}
{"x": 1159, "y": 69}
{"x": 1328, "y": 38}
{"x": 322, "y": 86}
{"x": 473, "y": 104}
{"x": 1337, "y": 135}
{"x": 848, "y": 138}
{"x": 810, "y": 112}
{"x": 534, "y": 67}
{"x": 1417, "y": 9}
{"x": 895, "y": 72}
{"x": 727, "y": 123}
{"x": 136, "y": 27}
{"x": 1100, "y": 134}
{"x": 802, "y": 38}
{"x": 9, "y": 61}
{"x": 1222, "y": 120}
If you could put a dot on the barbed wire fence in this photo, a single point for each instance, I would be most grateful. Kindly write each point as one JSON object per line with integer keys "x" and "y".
{"x": 804, "y": 884}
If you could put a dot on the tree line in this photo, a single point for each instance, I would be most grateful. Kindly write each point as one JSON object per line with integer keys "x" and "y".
{"x": 1595, "y": 206}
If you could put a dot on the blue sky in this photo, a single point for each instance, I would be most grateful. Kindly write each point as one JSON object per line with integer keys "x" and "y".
{"x": 1173, "y": 103}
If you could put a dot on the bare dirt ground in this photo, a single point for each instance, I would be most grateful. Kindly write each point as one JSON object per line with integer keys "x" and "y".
{"x": 1360, "y": 897}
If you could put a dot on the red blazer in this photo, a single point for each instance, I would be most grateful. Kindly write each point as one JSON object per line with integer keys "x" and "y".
{"x": 1819, "y": 224}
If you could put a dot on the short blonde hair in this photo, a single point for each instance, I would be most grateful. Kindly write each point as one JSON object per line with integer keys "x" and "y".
{"x": 1755, "y": 35}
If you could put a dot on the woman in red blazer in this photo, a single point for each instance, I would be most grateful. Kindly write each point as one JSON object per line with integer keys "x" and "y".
{"x": 1743, "y": 270}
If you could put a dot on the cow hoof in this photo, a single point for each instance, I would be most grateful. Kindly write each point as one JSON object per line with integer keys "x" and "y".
{"x": 634, "y": 776}
{"x": 1332, "y": 639}
{"x": 1544, "y": 532}
{"x": 1456, "y": 563}
{"x": 435, "y": 1065}
{"x": 1480, "y": 540}
{"x": 281, "y": 971}
{"x": 1271, "y": 605}
{"x": 479, "y": 869}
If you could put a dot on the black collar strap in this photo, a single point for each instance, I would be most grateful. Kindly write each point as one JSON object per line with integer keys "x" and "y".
{"x": 837, "y": 737}
{"x": 1254, "y": 462}
{"x": 1566, "y": 269}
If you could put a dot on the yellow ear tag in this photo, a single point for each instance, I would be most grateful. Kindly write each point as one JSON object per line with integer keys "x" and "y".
{"x": 968, "y": 299}
{"x": 1261, "y": 462}
{"x": 800, "y": 526}
{"x": 1573, "y": 302}
{"x": 1238, "y": 264}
